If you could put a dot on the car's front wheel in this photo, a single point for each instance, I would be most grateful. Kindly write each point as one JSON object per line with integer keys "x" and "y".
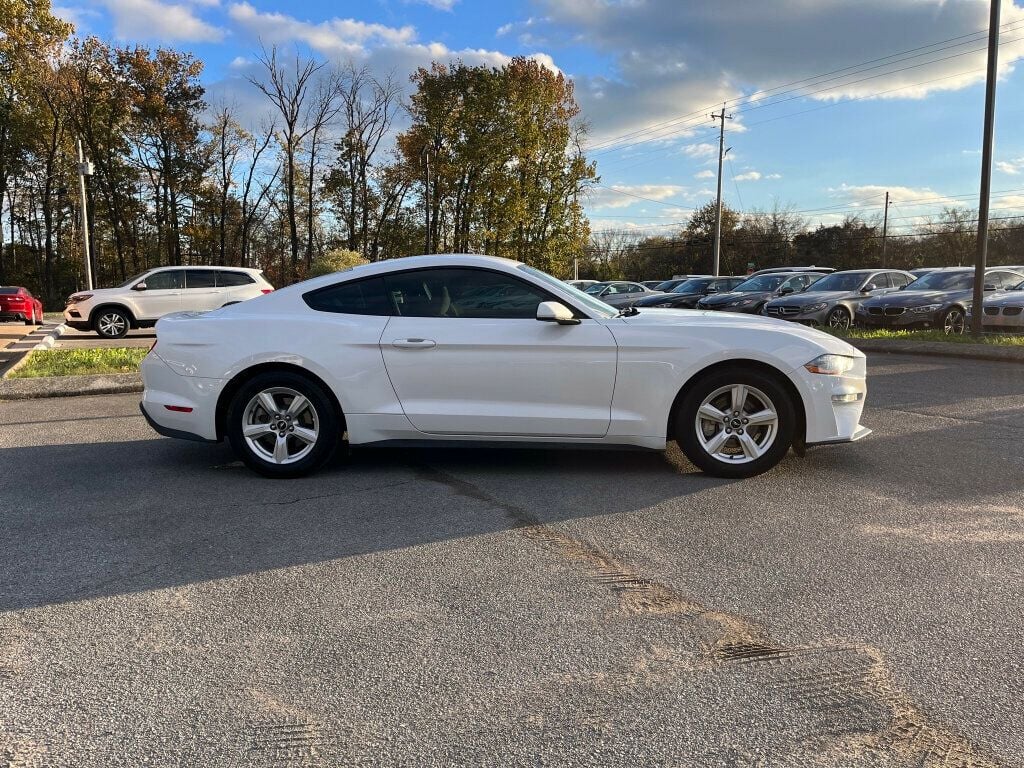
{"x": 112, "y": 323}
{"x": 839, "y": 318}
{"x": 735, "y": 423}
{"x": 282, "y": 424}
{"x": 954, "y": 322}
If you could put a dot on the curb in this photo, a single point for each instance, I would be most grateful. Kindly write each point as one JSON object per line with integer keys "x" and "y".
{"x": 70, "y": 386}
{"x": 43, "y": 337}
{"x": 941, "y": 349}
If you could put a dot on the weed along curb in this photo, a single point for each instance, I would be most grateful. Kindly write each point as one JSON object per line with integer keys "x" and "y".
{"x": 68, "y": 386}
{"x": 940, "y": 349}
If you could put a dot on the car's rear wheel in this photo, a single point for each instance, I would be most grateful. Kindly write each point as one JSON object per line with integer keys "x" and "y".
{"x": 839, "y": 318}
{"x": 283, "y": 424}
{"x": 112, "y": 323}
{"x": 31, "y": 319}
{"x": 954, "y": 322}
{"x": 736, "y": 423}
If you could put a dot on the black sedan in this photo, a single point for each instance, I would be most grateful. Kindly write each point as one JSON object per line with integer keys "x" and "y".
{"x": 688, "y": 292}
{"x": 752, "y": 294}
{"x": 940, "y": 299}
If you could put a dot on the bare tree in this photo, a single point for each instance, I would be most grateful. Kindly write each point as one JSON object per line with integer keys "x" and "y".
{"x": 251, "y": 206}
{"x": 323, "y": 109}
{"x": 228, "y": 138}
{"x": 288, "y": 90}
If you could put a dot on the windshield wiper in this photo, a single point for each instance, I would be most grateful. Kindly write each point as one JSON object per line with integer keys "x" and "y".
{"x": 628, "y": 312}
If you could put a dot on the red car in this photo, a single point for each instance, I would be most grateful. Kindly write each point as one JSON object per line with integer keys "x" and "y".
{"x": 18, "y": 303}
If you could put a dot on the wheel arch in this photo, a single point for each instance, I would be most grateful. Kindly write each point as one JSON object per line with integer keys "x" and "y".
{"x": 133, "y": 321}
{"x": 227, "y": 394}
{"x": 746, "y": 364}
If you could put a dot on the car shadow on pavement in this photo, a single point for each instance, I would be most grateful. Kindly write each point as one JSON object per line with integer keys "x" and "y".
{"x": 119, "y": 517}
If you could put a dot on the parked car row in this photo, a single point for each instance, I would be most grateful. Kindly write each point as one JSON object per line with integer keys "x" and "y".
{"x": 880, "y": 298}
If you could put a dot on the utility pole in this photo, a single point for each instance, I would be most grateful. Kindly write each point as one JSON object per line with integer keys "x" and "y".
{"x": 718, "y": 205}
{"x": 426, "y": 194}
{"x": 575, "y": 268}
{"x": 977, "y": 314}
{"x": 84, "y": 169}
{"x": 885, "y": 226}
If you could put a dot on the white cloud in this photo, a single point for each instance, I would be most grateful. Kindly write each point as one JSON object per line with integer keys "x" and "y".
{"x": 700, "y": 151}
{"x": 705, "y": 174}
{"x": 672, "y": 60}
{"x": 625, "y": 195}
{"x": 156, "y": 20}
{"x": 756, "y": 176}
{"x": 1012, "y": 167}
{"x": 441, "y": 5}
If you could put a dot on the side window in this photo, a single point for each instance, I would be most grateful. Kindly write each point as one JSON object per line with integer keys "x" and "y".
{"x": 880, "y": 280}
{"x": 358, "y": 297}
{"x": 899, "y": 279}
{"x": 467, "y": 293}
{"x": 200, "y": 278}
{"x": 795, "y": 283}
{"x": 1005, "y": 279}
{"x": 229, "y": 279}
{"x": 169, "y": 279}
{"x": 634, "y": 288}
{"x": 613, "y": 288}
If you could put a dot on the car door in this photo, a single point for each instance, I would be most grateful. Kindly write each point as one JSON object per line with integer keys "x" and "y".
{"x": 162, "y": 294}
{"x": 467, "y": 356}
{"x": 236, "y": 286}
{"x": 201, "y": 292}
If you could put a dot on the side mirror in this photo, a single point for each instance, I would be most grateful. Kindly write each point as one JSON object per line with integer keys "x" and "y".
{"x": 785, "y": 291}
{"x": 990, "y": 287}
{"x": 904, "y": 287}
{"x": 556, "y": 312}
{"x": 139, "y": 286}
{"x": 869, "y": 288}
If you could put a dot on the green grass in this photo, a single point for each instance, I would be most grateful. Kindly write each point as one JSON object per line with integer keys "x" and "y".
{"x": 995, "y": 339}
{"x": 80, "y": 362}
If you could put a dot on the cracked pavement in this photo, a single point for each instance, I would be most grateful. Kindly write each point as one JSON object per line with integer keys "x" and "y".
{"x": 860, "y": 607}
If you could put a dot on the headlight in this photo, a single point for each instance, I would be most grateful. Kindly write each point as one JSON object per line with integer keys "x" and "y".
{"x": 740, "y": 303}
{"x": 830, "y": 365}
{"x": 77, "y": 297}
{"x": 815, "y": 307}
{"x": 926, "y": 308}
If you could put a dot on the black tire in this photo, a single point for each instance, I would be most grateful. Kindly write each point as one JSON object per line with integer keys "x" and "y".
{"x": 31, "y": 319}
{"x": 765, "y": 384}
{"x": 327, "y": 424}
{"x": 839, "y": 317}
{"x": 954, "y": 321}
{"x": 111, "y": 323}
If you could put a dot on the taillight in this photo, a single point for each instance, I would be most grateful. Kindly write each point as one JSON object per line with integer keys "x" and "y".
{"x": 178, "y": 408}
{"x": 265, "y": 291}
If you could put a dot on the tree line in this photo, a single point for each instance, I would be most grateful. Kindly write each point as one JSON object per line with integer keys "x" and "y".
{"x": 782, "y": 237}
{"x": 489, "y": 160}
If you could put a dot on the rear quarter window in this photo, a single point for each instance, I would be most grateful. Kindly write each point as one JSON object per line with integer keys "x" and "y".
{"x": 230, "y": 279}
{"x": 358, "y": 297}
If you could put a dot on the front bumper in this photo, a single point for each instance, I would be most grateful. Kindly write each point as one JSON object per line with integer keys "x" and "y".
{"x": 74, "y": 318}
{"x": 834, "y": 404}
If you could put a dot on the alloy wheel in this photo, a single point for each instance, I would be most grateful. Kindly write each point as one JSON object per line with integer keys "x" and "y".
{"x": 280, "y": 425}
{"x": 954, "y": 323}
{"x": 838, "y": 318}
{"x": 737, "y": 423}
{"x": 112, "y": 324}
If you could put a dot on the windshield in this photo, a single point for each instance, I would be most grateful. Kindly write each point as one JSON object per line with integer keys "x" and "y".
{"x": 944, "y": 281}
{"x": 840, "y": 282}
{"x": 595, "y": 289}
{"x": 132, "y": 280}
{"x": 760, "y": 283}
{"x": 690, "y": 286}
{"x": 597, "y": 307}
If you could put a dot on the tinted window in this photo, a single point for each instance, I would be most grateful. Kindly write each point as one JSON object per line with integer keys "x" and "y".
{"x": 200, "y": 278}
{"x": 760, "y": 283}
{"x": 850, "y": 281}
{"x": 359, "y": 297}
{"x": 166, "y": 280}
{"x": 226, "y": 279}
{"x": 691, "y": 286}
{"x": 594, "y": 305}
{"x": 473, "y": 293}
{"x": 9, "y": 291}
{"x": 1002, "y": 279}
{"x": 945, "y": 281}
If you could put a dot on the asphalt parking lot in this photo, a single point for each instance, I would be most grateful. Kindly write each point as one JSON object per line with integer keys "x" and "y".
{"x": 72, "y": 339}
{"x": 862, "y": 606}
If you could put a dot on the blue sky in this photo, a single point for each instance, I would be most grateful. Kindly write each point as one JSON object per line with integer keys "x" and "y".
{"x": 834, "y": 101}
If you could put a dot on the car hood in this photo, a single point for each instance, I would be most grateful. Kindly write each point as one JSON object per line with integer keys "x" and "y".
{"x": 647, "y": 301}
{"x": 101, "y": 293}
{"x": 908, "y": 298}
{"x": 815, "y": 297}
{"x": 718, "y": 299}
{"x": 1006, "y": 299}
{"x": 700, "y": 320}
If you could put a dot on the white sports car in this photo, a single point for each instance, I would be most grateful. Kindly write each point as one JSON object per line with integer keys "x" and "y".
{"x": 462, "y": 349}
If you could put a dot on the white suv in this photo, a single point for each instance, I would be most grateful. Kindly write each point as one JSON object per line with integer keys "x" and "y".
{"x": 141, "y": 301}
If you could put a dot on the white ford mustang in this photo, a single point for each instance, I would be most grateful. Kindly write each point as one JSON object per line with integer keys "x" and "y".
{"x": 462, "y": 349}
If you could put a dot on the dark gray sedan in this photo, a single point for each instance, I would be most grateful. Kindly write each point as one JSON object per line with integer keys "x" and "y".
{"x": 620, "y": 293}
{"x": 752, "y": 294}
{"x": 834, "y": 299}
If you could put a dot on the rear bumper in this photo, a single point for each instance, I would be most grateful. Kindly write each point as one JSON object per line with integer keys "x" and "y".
{"x": 20, "y": 316}
{"x": 179, "y": 406}
{"x": 169, "y": 432}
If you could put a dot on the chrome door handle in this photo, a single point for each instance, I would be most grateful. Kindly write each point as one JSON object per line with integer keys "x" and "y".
{"x": 413, "y": 343}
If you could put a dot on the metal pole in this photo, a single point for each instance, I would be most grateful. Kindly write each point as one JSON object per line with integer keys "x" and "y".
{"x": 575, "y": 269}
{"x": 83, "y": 171}
{"x": 885, "y": 227}
{"x": 986, "y": 168}
{"x": 718, "y": 204}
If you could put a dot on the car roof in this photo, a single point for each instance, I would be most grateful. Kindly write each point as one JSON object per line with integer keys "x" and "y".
{"x": 812, "y": 268}
{"x": 192, "y": 267}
